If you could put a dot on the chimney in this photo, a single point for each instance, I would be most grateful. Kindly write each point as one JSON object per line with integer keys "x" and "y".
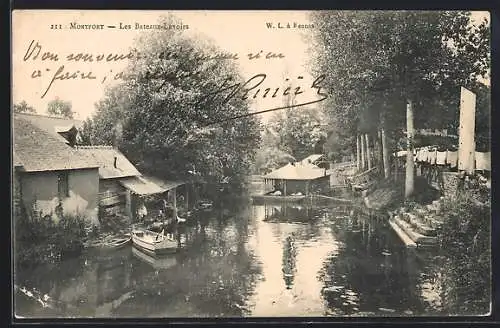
{"x": 114, "y": 164}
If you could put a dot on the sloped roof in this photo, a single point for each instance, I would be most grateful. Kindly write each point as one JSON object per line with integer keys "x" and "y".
{"x": 105, "y": 157}
{"x": 165, "y": 184}
{"x": 311, "y": 158}
{"x": 141, "y": 186}
{"x": 38, "y": 150}
{"x": 297, "y": 172}
{"x": 52, "y": 125}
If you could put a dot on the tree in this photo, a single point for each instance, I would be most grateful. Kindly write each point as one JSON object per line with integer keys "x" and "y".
{"x": 23, "y": 107}
{"x": 385, "y": 60}
{"x": 60, "y": 108}
{"x": 166, "y": 118}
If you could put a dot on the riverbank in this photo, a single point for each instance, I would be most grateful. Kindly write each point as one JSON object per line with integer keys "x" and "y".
{"x": 456, "y": 225}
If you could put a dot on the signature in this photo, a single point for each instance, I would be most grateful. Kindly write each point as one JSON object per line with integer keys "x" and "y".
{"x": 252, "y": 88}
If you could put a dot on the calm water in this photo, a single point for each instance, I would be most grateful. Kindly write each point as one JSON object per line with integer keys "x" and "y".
{"x": 239, "y": 263}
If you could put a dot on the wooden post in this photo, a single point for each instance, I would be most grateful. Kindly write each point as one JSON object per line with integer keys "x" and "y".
{"x": 174, "y": 194}
{"x": 363, "y": 153}
{"x": 358, "y": 153}
{"x": 187, "y": 197}
{"x": 284, "y": 187}
{"x": 410, "y": 162}
{"x": 368, "y": 151}
{"x": 466, "y": 138}
{"x": 128, "y": 203}
{"x": 385, "y": 155}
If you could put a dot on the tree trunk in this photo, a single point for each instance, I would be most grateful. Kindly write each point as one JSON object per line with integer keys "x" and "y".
{"x": 385, "y": 155}
{"x": 410, "y": 177}
{"x": 358, "y": 153}
{"x": 368, "y": 152}
{"x": 378, "y": 149}
{"x": 363, "y": 153}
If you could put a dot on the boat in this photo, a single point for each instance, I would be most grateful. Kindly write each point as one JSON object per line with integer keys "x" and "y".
{"x": 153, "y": 242}
{"x": 276, "y": 198}
{"x": 118, "y": 242}
{"x": 163, "y": 262}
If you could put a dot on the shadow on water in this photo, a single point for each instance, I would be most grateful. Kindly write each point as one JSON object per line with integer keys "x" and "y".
{"x": 249, "y": 260}
{"x": 210, "y": 277}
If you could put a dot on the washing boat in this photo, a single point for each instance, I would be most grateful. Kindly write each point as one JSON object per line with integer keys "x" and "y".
{"x": 153, "y": 242}
{"x": 278, "y": 198}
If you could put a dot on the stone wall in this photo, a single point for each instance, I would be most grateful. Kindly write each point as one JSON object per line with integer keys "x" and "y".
{"x": 451, "y": 180}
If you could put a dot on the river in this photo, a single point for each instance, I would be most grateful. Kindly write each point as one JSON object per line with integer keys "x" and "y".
{"x": 238, "y": 262}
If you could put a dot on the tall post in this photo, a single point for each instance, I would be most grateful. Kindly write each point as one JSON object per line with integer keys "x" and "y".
{"x": 385, "y": 155}
{"x": 368, "y": 152}
{"x": 174, "y": 195}
{"x": 410, "y": 164}
{"x": 358, "y": 153}
{"x": 363, "y": 153}
{"x": 466, "y": 139}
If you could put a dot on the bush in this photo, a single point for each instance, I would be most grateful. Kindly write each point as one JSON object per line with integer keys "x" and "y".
{"x": 465, "y": 239}
{"x": 42, "y": 240}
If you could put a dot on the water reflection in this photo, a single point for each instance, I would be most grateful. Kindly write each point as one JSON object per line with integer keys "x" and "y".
{"x": 289, "y": 259}
{"x": 268, "y": 260}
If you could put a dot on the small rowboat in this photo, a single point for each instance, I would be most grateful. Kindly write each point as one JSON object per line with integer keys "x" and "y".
{"x": 153, "y": 242}
{"x": 118, "y": 242}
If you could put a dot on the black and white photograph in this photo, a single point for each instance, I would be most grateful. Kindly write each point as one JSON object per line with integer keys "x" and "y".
{"x": 245, "y": 164}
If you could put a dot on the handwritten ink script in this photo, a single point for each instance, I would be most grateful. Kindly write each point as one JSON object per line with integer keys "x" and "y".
{"x": 36, "y": 53}
{"x": 253, "y": 88}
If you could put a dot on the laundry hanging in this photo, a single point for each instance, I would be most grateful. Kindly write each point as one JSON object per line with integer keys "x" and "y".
{"x": 483, "y": 161}
{"x": 441, "y": 158}
{"x": 452, "y": 158}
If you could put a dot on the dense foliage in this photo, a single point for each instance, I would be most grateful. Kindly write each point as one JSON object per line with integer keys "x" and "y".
{"x": 60, "y": 108}
{"x": 23, "y": 107}
{"x": 291, "y": 135}
{"x": 465, "y": 238}
{"x": 163, "y": 117}
{"x": 40, "y": 240}
{"x": 377, "y": 61}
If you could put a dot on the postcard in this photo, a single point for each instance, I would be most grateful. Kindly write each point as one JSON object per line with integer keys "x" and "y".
{"x": 204, "y": 164}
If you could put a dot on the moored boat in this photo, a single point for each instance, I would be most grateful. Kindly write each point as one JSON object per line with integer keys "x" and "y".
{"x": 118, "y": 242}
{"x": 276, "y": 198}
{"x": 153, "y": 242}
{"x": 162, "y": 262}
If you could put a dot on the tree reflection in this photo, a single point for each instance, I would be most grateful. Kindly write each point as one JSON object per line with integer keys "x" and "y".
{"x": 213, "y": 277}
{"x": 368, "y": 274}
{"x": 289, "y": 261}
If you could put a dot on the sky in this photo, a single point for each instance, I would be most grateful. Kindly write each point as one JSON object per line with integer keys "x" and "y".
{"x": 239, "y": 32}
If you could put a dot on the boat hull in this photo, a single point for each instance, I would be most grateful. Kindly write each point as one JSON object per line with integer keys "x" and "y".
{"x": 119, "y": 243}
{"x": 164, "y": 247}
{"x": 270, "y": 198}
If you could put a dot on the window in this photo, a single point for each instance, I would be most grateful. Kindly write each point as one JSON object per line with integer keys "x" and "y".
{"x": 62, "y": 185}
